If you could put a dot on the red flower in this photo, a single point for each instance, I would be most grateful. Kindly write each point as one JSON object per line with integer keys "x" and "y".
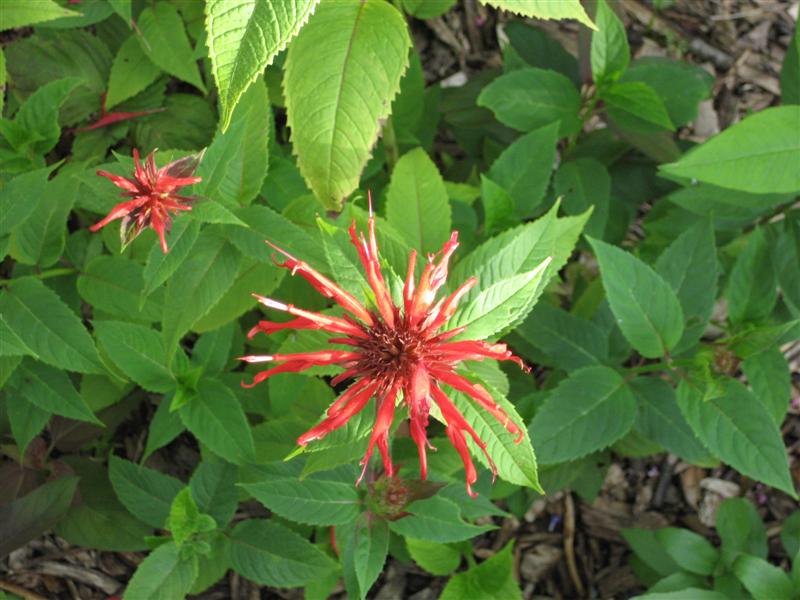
{"x": 152, "y": 196}
{"x": 396, "y": 349}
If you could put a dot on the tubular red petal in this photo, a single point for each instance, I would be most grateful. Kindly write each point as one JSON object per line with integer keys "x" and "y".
{"x": 120, "y": 210}
{"x": 367, "y": 253}
{"x": 408, "y": 288}
{"x": 477, "y": 350}
{"x": 359, "y": 385}
{"x": 326, "y": 322}
{"x": 433, "y": 277}
{"x": 448, "y": 307}
{"x": 417, "y": 393}
{"x": 122, "y": 182}
{"x": 380, "y": 431}
{"x": 159, "y": 224}
{"x": 355, "y": 405}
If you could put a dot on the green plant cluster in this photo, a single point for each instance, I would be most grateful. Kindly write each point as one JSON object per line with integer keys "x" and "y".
{"x": 671, "y": 280}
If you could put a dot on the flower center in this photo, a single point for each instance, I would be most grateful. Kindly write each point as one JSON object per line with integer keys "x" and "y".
{"x": 390, "y": 349}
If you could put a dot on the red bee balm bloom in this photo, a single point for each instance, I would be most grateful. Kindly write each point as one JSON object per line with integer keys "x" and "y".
{"x": 153, "y": 197}
{"x": 396, "y": 349}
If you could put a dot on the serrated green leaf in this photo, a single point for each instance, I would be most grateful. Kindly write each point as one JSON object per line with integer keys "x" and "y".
{"x": 743, "y": 158}
{"x": 582, "y": 184}
{"x": 334, "y": 116}
{"x": 436, "y": 519}
{"x": 51, "y": 390}
{"x": 212, "y": 350}
{"x": 20, "y": 198}
{"x": 768, "y": 374}
{"x": 540, "y": 50}
{"x": 123, "y": 8}
{"x": 244, "y": 37}
{"x": 164, "y": 427}
{"x": 26, "y": 419}
{"x": 48, "y": 327}
{"x": 529, "y": 98}
{"x": 10, "y": 343}
{"x": 328, "y": 498}
{"x": 137, "y": 351}
{"x": 197, "y": 286}
{"x": 236, "y": 162}
{"x": 364, "y": 544}
{"x": 270, "y": 554}
{"x": 498, "y": 207}
{"x": 751, "y": 290}
{"x": 131, "y": 72}
{"x": 635, "y": 106}
{"x": 660, "y": 420}
{"x": 186, "y": 123}
{"x": 160, "y": 266}
{"x": 112, "y": 284}
{"x": 737, "y": 428}
{"x": 416, "y": 202}
{"x": 610, "y": 53}
{"x": 646, "y": 308}
{"x": 38, "y": 115}
{"x": 215, "y": 417}
{"x": 545, "y": 9}
{"x": 690, "y": 550}
{"x": 588, "y": 411}
{"x": 163, "y": 575}
{"x": 436, "y": 559}
{"x": 21, "y": 13}
{"x": 689, "y": 265}
{"x": 147, "y": 494}
{"x": 740, "y": 530}
{"x": 165, "y": 43}
{"x": 493, "y": 579}
{"x": 213, "y": 485}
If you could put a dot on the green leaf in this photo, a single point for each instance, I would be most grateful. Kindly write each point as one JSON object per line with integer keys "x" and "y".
{"x": 123, "y": 8}
{"x": 493, "y": 579}
{"x": 645, "y": 546}
{"x": 498, "y": 207}
{"x": 610, "y": 53}
{"x": 165, "y": 43}
{"x": 568, "y": 341}
{"x": 131, "y": 72}
{"x": 236, "y": 162}
{"x": 528, "y": 99}
{"x": 213, "y": 485}
{"x": 215, "y": 417}
{"x": 689, "y": 265}
{"x": 26, "y": 419}
{"x": 545, "y": 9}
{"x": 21, "y": 13}
{"x": 364, "y": 544}
{"x": 681, "y": 86}
{"x": 790, "y": 534}
{"x": 417, "y": 204}
{"x": 38, "y": 115}
{"x": 436, "y": 559}
{"x": 50, "y": 389}
{"x": 500, "y": 306}
{"x": 334, "y": 116}
{"x": 646, "y": 308}
{"x": 186, "y": 123}
{"x": 743, "y": 158}
{"x": 691, "y": 551}
{"x": 197, "y": 286}
{"x": 28, "y": 517}
{"x": 160, "y": 266}
{"x": 589, "y": 411}
{"x": 268, "y": 553}
{"x": 48, "y": 327}
{"x": 523, "y": 168}
{"x": 763, "y": 580}
{"x": 212, "y": 350}
{"x": 694, "y": 593}
{"x": 660, "y": 420}
{"x": 113, "y": 284}
{"x": 790, "y": 72}
{"x": 10, "y": 342}
{"x": 138, "y": 352}
{"x": 770, "y": 378}
{"x": 185, "y": 518}
{"x": 540, "y": 50}
{"x": 751, "y": 290}
{"x": 16, "y": 204}
{"x": 163, "y": 575}
{"x": 147, "y": 494}
{"x": 740, "y": 529}
{"x": 328, "y": 498}
{"x": 636, "y": 106}
{"x": 436, "y": 519}
{"x": 582, "y": 184}
{"x": 243, "y": 39}
{"x": 737, "y": 428}
{"x": 165, "y": 426}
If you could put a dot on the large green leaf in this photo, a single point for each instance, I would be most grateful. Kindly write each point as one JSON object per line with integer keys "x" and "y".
{"x": 159, "y": 266}
{"x": 163, "y": 575}
{"x": 38, "y": 115}
{"x": 270, "y": 554}
{"x": 759, "y": 154}
{"x": 752, "y": 289}
{"x": 21, "y": 13}
{"x": 741, "y": 530}
{"x": 527, "y": 99}
{"x": 216, "y": 418}
{"x": 328, "y": 498}
{"x": 26, "y": 420}
{"x": 790, "y": 72}
{"x": 113, "y": 284}
{"x": 138, "y": 352}
{"x": 243, "y": 38}
{"x": 364, "y": 544}
{"x": 589, "y": 411}
{"x": 213, "y": 486}
{"x": 769, "y": 375}
{"x": 131, "y": 72}
{"x": 48, "y": 327}
{"x": 146, "y": 493}
{"x": 635, "y": 106}
{"x": 436, "y": 519}
{"x": 582, "y": 184}
{"x": 164, "y": 41}
{"x": 51, "y": 390}
{"x": 646, "y": 308}
{"x": 16, "y": 205}
{"x": 334, "y": 115}
{"x": 737, "y": 427}
{"x": 545, "y": 9}
{"x": 610, "y": 53}
{"x": 493, "y": 579}
{"x": 196, "y": 287}
{"x": 763, "y": 580}
{"x": 691, "y": 551}
{"x": 236, "y": 162}
{"x": 416, "y": 202}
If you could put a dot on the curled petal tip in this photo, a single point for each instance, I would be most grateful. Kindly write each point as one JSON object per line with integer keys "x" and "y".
{"x": 257, "y": 358}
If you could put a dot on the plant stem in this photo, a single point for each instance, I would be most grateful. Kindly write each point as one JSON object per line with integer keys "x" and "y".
{"x": 43, "y": 275}
{"x": 390, "y": 144}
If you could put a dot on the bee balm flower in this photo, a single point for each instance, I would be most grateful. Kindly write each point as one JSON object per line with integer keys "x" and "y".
{"x": 153, "y": 197}
{"x": 395, "y": 349}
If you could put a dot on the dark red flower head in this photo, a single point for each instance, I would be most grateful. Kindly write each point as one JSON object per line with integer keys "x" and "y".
{"x": 396, "y": 349}
{"x": 152, "y": 196}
